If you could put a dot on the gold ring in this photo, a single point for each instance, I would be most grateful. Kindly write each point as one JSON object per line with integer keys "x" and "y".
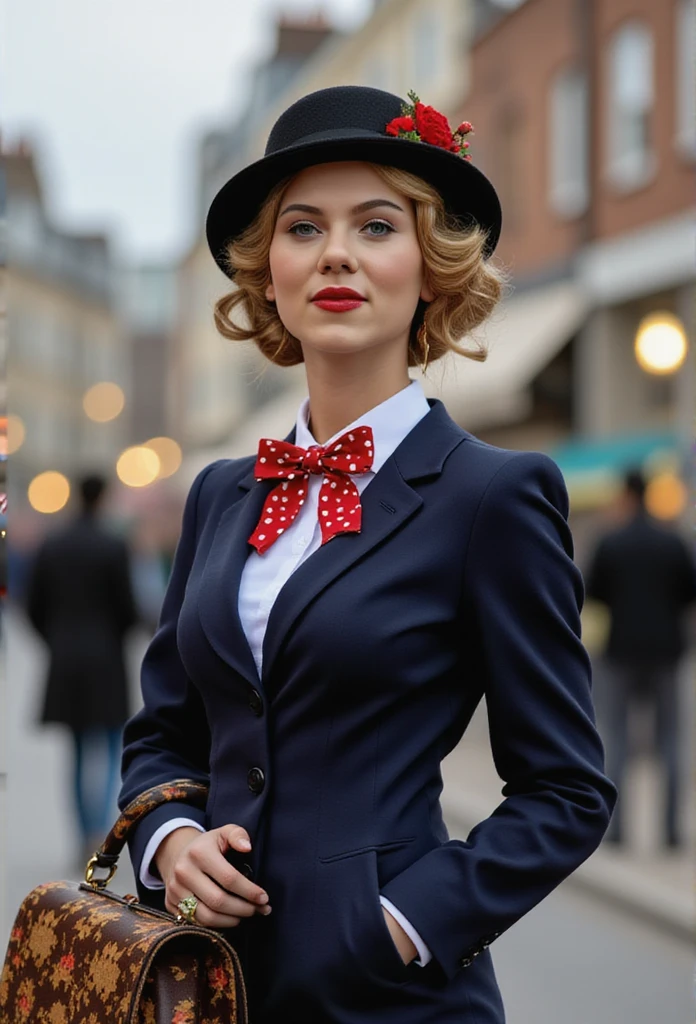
{"x": 188, "y": 906}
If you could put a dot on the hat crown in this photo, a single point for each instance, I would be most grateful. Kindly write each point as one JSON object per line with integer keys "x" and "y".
{"x": 357, "y": 108}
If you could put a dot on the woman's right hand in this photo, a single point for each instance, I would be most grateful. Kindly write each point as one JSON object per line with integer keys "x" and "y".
{"x": 192, "y": 863}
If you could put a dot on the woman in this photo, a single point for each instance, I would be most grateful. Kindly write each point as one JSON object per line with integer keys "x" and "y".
{"x": 315, "y": 680}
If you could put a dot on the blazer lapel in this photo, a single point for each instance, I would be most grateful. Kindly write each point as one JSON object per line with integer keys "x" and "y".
{"x": 388, "y": 502}
{"x": 218, "y": 608}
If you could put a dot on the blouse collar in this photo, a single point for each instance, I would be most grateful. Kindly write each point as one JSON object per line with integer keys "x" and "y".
{"x": 391, "y": 421}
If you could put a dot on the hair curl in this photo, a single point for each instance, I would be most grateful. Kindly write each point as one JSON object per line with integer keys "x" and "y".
{"x": 466, "y": 286}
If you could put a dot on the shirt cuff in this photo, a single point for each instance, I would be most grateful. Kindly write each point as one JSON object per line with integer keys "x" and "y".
{"x": 424, "y": 954}
{"x": 148, "y": 879}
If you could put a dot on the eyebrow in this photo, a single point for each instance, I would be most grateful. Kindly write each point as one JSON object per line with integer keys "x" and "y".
{"x": 360, "y": 208}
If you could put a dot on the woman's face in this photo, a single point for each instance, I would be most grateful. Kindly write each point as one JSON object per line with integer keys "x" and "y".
{"x": 340, "y": 226}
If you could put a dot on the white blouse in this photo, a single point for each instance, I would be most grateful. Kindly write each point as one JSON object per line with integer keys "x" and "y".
{"x": 264, "y": 575}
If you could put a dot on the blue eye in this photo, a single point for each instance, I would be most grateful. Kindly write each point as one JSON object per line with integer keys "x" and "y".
{"x": 302, "y": 224}
{"x": 305, "y": 229}
{"x": 380, "y": 224}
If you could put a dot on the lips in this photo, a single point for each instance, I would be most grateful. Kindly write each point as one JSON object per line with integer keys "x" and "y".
{"x": 336, "y": 294}
{"x": 338, "y": 300}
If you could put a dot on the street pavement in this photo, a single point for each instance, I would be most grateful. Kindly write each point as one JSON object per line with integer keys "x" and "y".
{"x": 579, "y": 958}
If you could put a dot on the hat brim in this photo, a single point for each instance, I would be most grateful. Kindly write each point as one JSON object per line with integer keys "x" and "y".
{"x": 467, "y": 193}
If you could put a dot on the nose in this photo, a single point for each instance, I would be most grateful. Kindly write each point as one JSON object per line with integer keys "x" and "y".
{"x": 337, "y": 255}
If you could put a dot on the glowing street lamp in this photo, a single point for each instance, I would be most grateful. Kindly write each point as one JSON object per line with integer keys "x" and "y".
{"x": 138, "y": 466}
{"x": 666, "y": 496}
{"x": 103, "y": 401}
{"x": 49, "y": 492}
{"x": 661, "y": 343}
{"x": 169, "y": 453}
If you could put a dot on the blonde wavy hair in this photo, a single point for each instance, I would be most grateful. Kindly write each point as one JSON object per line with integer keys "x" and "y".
{"x": 466, "y": 286}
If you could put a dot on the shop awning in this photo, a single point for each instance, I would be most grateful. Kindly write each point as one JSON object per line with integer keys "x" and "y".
{"x": 522, "y": 337}
{"x": 593, "y": 467}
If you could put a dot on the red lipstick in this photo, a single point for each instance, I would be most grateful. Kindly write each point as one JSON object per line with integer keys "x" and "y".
{"x": 338, "y": 300}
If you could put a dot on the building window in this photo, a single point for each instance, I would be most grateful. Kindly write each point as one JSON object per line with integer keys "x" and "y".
{"x": 568, "y": 172}
{"x": 685, "y": 66}
{"x": 632, "y": 159}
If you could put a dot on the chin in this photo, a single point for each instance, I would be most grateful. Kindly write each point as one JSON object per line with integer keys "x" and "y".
{"x": 340, "y": 342}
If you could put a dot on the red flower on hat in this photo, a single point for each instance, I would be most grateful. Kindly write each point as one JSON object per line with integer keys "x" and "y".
{"x": 420, "y": 123}
{"x": 400, "y": 124}
{"x": 433, "y": 126}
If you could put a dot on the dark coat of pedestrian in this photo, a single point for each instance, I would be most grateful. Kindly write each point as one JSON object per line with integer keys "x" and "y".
{"x": 645, "y": 575}
{"x": 80, "y": 600}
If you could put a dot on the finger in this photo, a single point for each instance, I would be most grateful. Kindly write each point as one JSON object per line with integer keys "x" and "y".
{"x": 210, "y": 861}
{"x": 236, "y": 837}
{"x": 203, "y": 915}
{"x": 220, "y": 902}
{"x": 196, "y": 873}
{"x": 209, "y": 918}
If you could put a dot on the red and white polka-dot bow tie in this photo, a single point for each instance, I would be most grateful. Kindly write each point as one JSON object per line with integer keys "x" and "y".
{"x": 339, "y": 508}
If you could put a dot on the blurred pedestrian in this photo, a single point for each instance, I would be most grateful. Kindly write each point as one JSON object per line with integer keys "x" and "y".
{"x": 80, "y": 600}
{"x": 644, "y": 573}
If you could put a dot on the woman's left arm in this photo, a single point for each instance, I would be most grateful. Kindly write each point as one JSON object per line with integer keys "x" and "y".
{"x": 521, "y": 617}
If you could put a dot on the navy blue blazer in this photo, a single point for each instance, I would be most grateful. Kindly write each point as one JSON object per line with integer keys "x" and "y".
{"x": 378, "y": 649}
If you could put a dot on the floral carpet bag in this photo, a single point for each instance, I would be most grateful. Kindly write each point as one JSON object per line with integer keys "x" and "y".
{"x": 82, "y": 954}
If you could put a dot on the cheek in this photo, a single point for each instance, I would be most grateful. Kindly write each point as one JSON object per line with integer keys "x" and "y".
{"x": 285, "y": 267}
{"x": 398, "y": 269}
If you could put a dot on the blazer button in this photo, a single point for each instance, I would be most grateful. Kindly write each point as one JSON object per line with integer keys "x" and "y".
{"x": 256, "y": 702}
{"x": 247, "y": 870}
{"x": 256, "y": 780}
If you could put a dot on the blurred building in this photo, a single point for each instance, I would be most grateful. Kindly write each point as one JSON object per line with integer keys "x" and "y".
{"x": 586, "y": 118}
{"x": 148, "y": 305}
{"x": 65, "y": 335}
{"x": 215, "y": 383}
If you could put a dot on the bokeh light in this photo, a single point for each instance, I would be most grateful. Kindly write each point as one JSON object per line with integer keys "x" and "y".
{"x": 168, "y": 452}
{"x": 104, "y": 401}
{"x": 138, "y": 466}
{"x": 660, "y": 343}
{"x": 16, "y": 433}
{"x": 666, "y": 496}
{"x": 48, "y": 492}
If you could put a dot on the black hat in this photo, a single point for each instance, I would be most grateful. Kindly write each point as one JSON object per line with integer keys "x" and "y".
{"x": 348, "y": 122}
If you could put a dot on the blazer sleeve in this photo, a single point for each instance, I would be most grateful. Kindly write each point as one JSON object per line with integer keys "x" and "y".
{"x": 169, "y": 738}
{"x": 521, "y": 617}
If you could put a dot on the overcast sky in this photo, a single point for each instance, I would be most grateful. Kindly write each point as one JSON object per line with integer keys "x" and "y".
{"x": 114, "y": 94}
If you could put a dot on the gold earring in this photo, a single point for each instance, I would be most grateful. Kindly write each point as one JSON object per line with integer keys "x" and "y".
{"x": 423, "y": 342}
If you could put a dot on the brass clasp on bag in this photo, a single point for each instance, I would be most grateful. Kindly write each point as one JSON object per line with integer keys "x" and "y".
{"x": 97, "y": 883}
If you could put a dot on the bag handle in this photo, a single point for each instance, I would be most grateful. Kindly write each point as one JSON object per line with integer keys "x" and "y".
{"x": 194, "y": 793}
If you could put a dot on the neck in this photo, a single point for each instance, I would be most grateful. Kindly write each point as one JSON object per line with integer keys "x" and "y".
{"x": 345, "y": 387}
